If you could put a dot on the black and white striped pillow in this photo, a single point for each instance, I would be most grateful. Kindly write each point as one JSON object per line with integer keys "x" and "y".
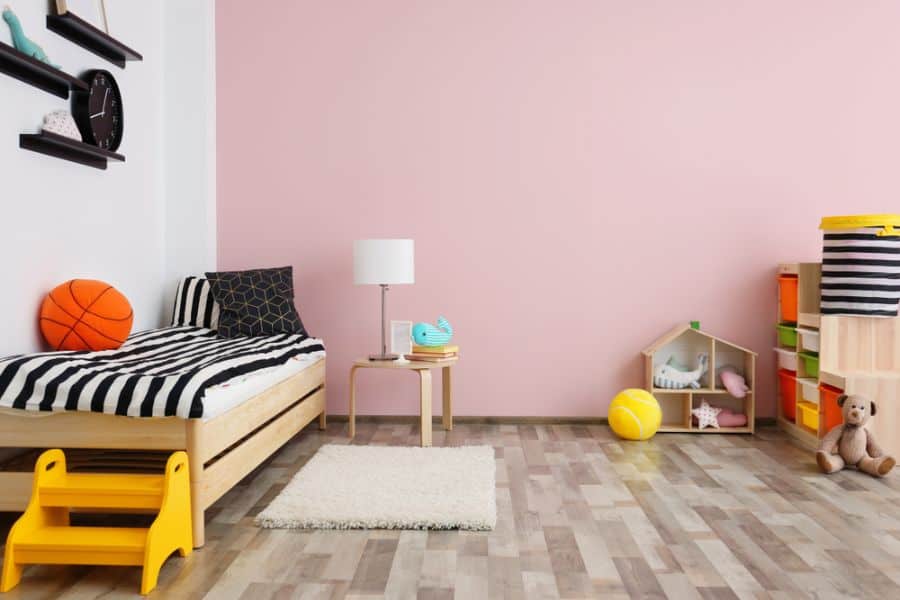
{"x": 195, "y": 305}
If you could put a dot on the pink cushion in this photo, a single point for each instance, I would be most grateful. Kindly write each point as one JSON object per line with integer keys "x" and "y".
{"x": 729, "y": 418}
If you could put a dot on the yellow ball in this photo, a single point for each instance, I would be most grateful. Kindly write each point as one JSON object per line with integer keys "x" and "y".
{"x": 634, "y": 414}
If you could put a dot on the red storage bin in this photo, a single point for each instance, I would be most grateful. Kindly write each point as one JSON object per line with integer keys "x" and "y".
{"x": 787, "y": 385}
{"x": 789, "y": 310}
{"x": 828, "y": 396}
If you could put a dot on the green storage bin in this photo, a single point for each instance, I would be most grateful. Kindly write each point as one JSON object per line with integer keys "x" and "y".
{"x": 810, "y": 363}
{"x": 787, "y": 335}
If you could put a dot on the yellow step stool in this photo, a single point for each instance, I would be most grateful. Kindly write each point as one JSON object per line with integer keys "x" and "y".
{"x": 42, "y": 535}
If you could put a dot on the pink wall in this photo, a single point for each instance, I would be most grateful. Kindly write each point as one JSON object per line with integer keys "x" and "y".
{"x": 578, "y": 176}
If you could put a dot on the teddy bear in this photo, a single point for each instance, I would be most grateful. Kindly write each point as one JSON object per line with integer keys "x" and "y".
{"x": 851, "y": 443}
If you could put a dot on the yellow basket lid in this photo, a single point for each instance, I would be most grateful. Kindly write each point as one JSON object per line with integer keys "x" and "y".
{"x": 857, "y": 221}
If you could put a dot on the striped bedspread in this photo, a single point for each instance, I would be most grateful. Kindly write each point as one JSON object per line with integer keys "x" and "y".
{"x": 160, "y": 372}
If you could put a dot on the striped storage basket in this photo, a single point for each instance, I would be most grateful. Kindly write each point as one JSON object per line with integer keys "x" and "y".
{"x": 861, "y": 265}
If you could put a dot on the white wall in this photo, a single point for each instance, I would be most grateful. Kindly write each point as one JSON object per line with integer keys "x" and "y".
{"x": 62, "y": 220}
{"x": 189, "y": 129}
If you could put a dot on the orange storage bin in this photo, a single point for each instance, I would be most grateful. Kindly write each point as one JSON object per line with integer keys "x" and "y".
{"x": 828, "y": 396}
{"x": 788, "y": 286}
{"x": 787, "y": 384}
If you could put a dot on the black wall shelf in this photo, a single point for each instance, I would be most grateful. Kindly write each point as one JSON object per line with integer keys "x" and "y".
{"x": 65, "y": 148}
{"x": 80, "y": 32}
{"x": 37, "y": 73}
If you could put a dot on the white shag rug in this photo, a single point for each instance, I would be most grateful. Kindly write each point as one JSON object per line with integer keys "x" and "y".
{"x": 389, "y": 487}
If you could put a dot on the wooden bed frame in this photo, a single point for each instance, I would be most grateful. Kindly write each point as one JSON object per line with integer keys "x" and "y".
{"x": 221, "y": 451}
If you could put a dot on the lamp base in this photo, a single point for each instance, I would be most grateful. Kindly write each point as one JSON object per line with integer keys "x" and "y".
{"x": 383, "y": 357}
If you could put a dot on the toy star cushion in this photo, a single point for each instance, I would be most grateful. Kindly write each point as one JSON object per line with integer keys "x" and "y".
{"x": 707, "y": 416}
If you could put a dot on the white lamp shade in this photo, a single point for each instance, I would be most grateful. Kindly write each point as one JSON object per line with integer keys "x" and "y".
{"x": 383, "y": 262}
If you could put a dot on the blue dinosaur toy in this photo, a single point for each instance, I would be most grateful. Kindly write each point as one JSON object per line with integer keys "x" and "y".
{"x": 22, "y": 43}
{"x": 426, "y": 334}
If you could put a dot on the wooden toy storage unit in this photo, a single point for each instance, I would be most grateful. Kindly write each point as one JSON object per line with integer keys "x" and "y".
{"x": 683, "y": 344}
{"x": 856, "y": 355}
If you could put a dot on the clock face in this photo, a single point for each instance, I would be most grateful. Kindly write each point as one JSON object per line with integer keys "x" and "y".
{"x": 98, "y": 112}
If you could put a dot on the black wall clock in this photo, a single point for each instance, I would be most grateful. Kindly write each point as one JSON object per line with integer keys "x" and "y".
{"x": 98, "y": 112}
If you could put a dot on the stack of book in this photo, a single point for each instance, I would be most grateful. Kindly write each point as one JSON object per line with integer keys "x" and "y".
{"x": 433, "y": 353}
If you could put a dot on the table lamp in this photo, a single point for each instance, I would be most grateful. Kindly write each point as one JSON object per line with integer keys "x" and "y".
{"x": 384, "y": 263}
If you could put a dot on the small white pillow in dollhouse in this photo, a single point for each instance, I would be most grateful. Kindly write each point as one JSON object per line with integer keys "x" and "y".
{"x": 61, "y": 122}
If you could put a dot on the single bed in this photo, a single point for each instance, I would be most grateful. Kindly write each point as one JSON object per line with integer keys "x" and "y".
{"x": 230, "y": 403}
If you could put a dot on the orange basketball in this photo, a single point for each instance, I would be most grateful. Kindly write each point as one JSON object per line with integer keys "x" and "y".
{"x": 84, "y": 314}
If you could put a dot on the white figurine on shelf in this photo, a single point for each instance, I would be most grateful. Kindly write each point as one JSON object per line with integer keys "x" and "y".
{"x": 61, "y": 122}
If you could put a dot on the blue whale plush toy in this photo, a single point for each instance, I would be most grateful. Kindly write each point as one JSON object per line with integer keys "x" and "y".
{"x": 426, "y": 334}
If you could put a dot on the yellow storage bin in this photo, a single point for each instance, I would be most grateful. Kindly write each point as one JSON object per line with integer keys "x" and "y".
{"x": 808, "y": 415}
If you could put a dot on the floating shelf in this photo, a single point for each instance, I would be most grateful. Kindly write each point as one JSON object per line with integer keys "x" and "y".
{"x": 37, "y": 73}
{"x": 80, "y": 32}
{"x": 65, "y": 148}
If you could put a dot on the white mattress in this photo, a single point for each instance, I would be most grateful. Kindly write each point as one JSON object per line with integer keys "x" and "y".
{"x": 234, "y": 392}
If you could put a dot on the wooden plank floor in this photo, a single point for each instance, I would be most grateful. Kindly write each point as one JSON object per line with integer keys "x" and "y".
{"x": 580, "y": 515}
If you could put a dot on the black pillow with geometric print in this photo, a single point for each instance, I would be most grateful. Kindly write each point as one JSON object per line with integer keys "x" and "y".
{"x": 256, "y": 302}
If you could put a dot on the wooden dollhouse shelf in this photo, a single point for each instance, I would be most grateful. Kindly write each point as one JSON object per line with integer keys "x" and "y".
{"x": 670, "y": 428}
{"x": 37, "y": 73}
{"x": 80, "y": 32}
{"x": 65, "y": 148}
{"x": 696, "y": 392}
{"x": 683, "y": 344}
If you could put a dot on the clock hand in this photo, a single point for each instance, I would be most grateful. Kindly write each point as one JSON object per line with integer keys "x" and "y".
{"x": 102, "y": 112}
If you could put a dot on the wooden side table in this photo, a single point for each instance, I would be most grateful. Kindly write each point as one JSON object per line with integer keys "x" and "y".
{"x": 423, "y": 368}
